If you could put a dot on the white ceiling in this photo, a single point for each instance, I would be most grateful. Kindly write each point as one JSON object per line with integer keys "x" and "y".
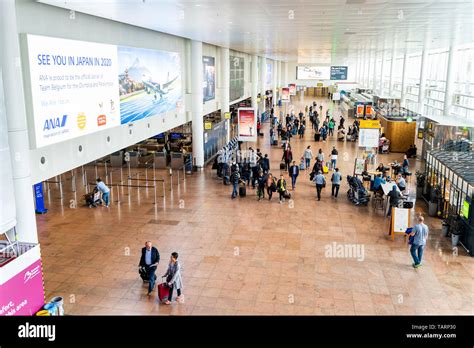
{"x": 320, "y": 31}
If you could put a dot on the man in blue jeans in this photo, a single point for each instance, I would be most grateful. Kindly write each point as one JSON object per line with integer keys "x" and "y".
{"x": 334, "y": 154}
{"x": 294, "y": 172}
{"x": 102, "y": 187}
{"x": 234, "y": 179}
{"x": 420, "y": 235}
{"x": 149, "y": 261}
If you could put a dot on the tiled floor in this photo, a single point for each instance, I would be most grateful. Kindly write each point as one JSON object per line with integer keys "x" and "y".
{"x": 247, "y": 257}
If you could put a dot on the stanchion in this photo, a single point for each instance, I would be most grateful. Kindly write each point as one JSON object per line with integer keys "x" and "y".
{"x": 60, "y": 187}
{"x": 96, "y": 171}
{"x": 154, "y": 192}
{"x": 106, "y": 173}
{"x": 121, "y": 175}
{"x": 73, "y": 181}
{"x": 171, "y": 179}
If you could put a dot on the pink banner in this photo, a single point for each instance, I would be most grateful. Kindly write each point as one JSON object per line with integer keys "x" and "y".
{"x": 24, "y": 293}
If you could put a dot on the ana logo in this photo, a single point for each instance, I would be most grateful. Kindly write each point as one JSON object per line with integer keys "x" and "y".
{"x": 53, "y": 123}
{"x": 101, "y": 120}
{"x": 81, "y": 121}
{"x": 31, "y": 274}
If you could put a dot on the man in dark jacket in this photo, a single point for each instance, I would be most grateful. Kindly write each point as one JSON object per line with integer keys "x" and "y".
{"x": 265, "y": 164}
{"x": 287, "y": 157}
{"x": 149, "y": 261}
{"x": 294, "y": 172}
{"x": 235, "y": 179}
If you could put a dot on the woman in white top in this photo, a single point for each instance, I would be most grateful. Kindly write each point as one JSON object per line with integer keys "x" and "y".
{"x": 308, "y": 154}
{"x": 320, "y": 155}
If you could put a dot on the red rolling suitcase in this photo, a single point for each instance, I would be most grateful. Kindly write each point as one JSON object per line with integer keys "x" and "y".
{"x": 163, "y": 292}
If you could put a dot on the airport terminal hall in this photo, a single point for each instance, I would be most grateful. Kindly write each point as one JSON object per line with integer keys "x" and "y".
{"x": 201, "y": 158}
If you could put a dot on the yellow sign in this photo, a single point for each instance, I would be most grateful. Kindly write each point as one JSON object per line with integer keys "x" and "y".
{"x": 81, "y": 121}
{"x": 370, "y": 124}
{"x": 207, "y": 125}
{"x": 320, "y": 84}
{"x": 227, "y": 115}
{"x": 265, "y": 97}
{"x": 258, "y": 99}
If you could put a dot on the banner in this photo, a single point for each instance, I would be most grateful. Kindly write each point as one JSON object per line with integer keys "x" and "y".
{"x": 285, "y": 94}
{"x": 369, "y": 137}
{"x": 79, "y": 88}
{"x": 292, "y": 88}
{"x": 313, "y": 72}
{"x": 360, "y": 110}
{"x": 39, "y": 199}
{"x": 247, "y": 124}
{"x": 368, "y": 110}
{"x": 209, "y": 78}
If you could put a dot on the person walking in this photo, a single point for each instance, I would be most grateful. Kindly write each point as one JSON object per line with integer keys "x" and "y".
{"x": 261, "y": 186}
{"x": 320, "y": 181}
{"x": 102, "y": 187}
{"x": 281, "y": 187}
{"x": 288, "y": 158}
{"x": 320, "y": 156}
{"x": 149, "y": 261}
{"x": 294, "y": 172}
{"x": 334, "y": 154}
{"x": 271, "y": 186}
{"x": 308, "y": 154}
{"x": 265, "y": 164}
{"x": 235, "y": 179}
{"x": 173, "y": 278}
{"x": 336, "y": 182}
{"x": 331, "y": 127}
{"x": 420, "y": 235}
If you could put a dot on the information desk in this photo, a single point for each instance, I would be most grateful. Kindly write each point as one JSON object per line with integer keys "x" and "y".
{"x": 400, "y": 132}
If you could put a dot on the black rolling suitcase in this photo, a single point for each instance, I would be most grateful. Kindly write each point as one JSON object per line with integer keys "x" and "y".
{"x": 317, "y": 136}
{"x": 143, "y": 274}
{"x": 282, "y": 165}
{"x": 275, "y": 142}
{"x": 242, "y": 191}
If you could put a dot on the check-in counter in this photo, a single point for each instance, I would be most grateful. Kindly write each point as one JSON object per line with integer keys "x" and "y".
{"x": 177, "y": 160}
{"x": 116, "y": 159}
{"x": 160, "y": 160}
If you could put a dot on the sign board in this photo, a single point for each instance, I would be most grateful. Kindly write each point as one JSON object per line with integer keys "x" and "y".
{"x": 227, "y": 115}
{"x": 39, "y": 199}
{"x": 368, "y": 110}
{"x": 369, "y": 137}
{"x": 388, "y": 186}
{"x": 209, "y": 78}
{"x": 336, "y": 96}
{"x": 292, "y": 87}
{"x": 207, "y": 125}
{"x": 338, "y": 72}
{"x": 320, "y": 84}
{"x": 360, "y": 110}
{"x": 359, "y": 166}
{"x": 369, "y": 124}
{"x": 400, "y": 221}
{"x": 247, "y": 124}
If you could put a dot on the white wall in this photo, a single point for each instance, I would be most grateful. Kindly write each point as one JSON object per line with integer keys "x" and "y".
{"x": 40, "y": 19}
{"x": 313, "y": 83}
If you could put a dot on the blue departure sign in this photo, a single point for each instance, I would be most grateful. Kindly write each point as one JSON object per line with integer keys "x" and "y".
{"x": 339, "y": 73}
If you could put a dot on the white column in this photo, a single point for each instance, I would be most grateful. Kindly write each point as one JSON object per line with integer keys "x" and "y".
{"x": 197, "y": 103}
{"x": 263, "y": 78}
{"x": 225, "y": 86}
{"x": 422, "y": 88}
{"x": 275, "y": 82}
{"x": 381, "y": 70}
{"x": 279, "y": 80}
{"x": 448, "y": 96}
{"x": 254, "y": 78}
{"x": 374, "y": 81}
{"x": 286, "y": 80}
{"x": 404, "y": 78}
{"x": 392, "y": 67}
{"x": 16, "y": 123}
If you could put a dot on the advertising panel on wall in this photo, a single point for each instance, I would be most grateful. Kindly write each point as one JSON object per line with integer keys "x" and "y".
{"x": 338, "y": 72}
{"x": 312, "y": 73}
{"x": 236, "y": 88}
{"x": 247, "y": 124}
{"x": 73, "y": 88}
{"x": 149, "y": 82}
{"x": 269, "y": 74}
{"x": 209, "y": 78}
{"x": 369, "y": 137}
{"x": 285, "y": 94}
{"x": 292, "y": 88}
{"x": 79, "y": 88}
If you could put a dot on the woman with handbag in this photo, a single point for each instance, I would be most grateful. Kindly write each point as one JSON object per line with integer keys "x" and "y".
{"x": 173, "y": 278}
{"x": 281, "y": 187}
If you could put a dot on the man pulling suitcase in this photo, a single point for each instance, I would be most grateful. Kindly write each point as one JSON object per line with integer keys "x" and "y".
{"x": 148, "y": 263}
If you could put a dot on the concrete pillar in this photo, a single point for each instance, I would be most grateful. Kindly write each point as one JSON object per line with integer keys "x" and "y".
{"x": 275, "y": 82}
{"x": 286, "y": 80}
{"x": 225, "y": 86}
{"x": 17, "y": 125}
{"x": 263, "y": 83}
{"x": 381, "y": 71}
{"x": 197, "y": 103}
{"x": 392, "y": 72}
{"x": 374, "y": 81}
{"x": 404, "y": 80}
{"x": 448, "y": 95}
{"x": 254, "y": 78}
{"x": 422, "y": 87}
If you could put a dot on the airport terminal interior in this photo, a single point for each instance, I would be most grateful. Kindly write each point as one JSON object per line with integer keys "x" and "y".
{"x": 283, "y": 158}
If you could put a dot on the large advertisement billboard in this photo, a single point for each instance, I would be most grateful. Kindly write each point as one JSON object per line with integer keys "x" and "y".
{"x": 209, "y": 78}
{"x": 247, "y": 124}
{"x": 338, "y": 72}
{"x": 285, "y": 94}
{"x": 292, "y": 87}
{"x": 236, "y": 88}
{"x": 312, "y": 73}
{"x": 79, "y": 88}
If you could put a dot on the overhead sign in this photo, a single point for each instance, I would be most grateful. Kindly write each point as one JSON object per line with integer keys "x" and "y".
{"x": 247, "y": 124}
{"x": 207, "y": 125}
{"x": 313, "y": 72}
{"x": 338, "y": 72}
{"x": 227, "y": 115}
{"x": 369, "y": 124}
{"x": 78, "y": 88}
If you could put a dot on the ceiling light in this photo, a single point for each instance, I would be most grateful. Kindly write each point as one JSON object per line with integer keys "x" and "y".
{"x": 400, "y": 14}
{"x": 359, "y": 12}
{"x": 230, "y": 22}
{"x": 197, "y": 5}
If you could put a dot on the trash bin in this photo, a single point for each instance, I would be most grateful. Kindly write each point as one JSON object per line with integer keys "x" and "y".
{"x": 432, "y": 208}
{"x": 444, "y": 229}
{"x": 58, "y": 302}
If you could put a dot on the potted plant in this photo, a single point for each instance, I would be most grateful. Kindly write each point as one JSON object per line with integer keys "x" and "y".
{"x": 420, "y": 183}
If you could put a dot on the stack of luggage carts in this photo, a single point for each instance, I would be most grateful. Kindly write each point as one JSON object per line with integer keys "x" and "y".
{"x": 357, "y": 193}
